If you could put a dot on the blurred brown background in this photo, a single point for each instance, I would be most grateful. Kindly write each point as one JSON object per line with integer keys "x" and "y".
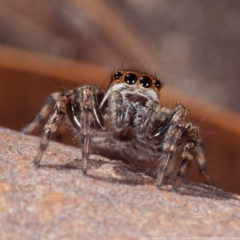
{"x": 194, "y": 46}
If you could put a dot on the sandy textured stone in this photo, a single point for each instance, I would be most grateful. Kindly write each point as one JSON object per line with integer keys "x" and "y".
{"x": 114, "y": 201}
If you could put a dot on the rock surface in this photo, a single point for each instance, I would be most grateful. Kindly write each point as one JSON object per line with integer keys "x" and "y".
{"x": 114, "y": 201}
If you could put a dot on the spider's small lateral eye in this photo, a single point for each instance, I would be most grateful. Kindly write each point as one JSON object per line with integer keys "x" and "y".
{"x": 130, "y": 78}
{"x": 146, "y": 81}
{"x": 117, "y": 75}
{"x": 157, "y": 84}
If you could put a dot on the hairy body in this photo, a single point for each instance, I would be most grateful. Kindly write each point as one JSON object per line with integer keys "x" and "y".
{"x": 126, "y": 122}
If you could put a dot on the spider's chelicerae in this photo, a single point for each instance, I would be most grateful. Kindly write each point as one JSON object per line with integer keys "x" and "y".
{"x": 126, "y": 122}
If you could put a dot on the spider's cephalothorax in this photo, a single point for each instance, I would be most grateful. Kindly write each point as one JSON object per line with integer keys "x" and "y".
{"x": 126, "y": 122}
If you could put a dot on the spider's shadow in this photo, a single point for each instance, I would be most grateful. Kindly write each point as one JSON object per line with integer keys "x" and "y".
{"x": 128, "y": 175}
{"x": 131, "y": 175}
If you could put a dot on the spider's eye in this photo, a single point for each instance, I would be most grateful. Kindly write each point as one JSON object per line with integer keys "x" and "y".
{"x": 157, "y": 83}
{"x": 130, "y": 78}
{"x": 146, "y": 81}
{"x": 117, "y": 75}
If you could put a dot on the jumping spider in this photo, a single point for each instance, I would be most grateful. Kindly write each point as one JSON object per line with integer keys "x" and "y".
{"x": 126, "y": 122}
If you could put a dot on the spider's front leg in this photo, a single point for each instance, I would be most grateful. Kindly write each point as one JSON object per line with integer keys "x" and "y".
{"x": 190, "y": 138}
{"x": 89, "y": 115}
{"x": 180, "y": 132}
{"x": 174, "y": 126}
{"x": 52, "y": 124}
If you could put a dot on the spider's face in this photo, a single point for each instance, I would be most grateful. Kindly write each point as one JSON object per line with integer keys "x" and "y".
{"x": 133, "y": 83}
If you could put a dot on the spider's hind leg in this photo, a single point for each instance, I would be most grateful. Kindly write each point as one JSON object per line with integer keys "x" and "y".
{"x": 51, "y": 126}
{"x": 193, "y": 144}
{"x": 203, "y": 163}
{"x": 43, "y": 114}
{"x": 190, "y": 140}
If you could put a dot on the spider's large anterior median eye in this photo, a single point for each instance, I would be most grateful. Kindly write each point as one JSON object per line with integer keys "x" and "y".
{"x": 117, "y": 75}
{"x": 130, "y": 78}
{"x": 157, "y": 84}
{"x": 146, "y": 81}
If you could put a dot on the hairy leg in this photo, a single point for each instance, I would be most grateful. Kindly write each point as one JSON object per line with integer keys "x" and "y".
{"x": 44, "y": 113}
{"x": 193, "y": 144}
{"x": 174, "y": 128}
{"x": 90, "y": 116}
{"x": 203, "y": 163}
{"x": 191, "y": 138}
{"x": 51, "y": 126}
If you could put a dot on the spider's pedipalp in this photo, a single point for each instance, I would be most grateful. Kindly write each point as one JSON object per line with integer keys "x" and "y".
{"x": 117, "y": 110}
{"x": 72, "y": 111}
{"x": 145, "y": 121}
{"x": 96, "y": 113}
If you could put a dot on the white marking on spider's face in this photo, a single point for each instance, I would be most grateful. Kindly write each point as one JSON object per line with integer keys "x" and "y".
{"x": 124, "y": 88}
